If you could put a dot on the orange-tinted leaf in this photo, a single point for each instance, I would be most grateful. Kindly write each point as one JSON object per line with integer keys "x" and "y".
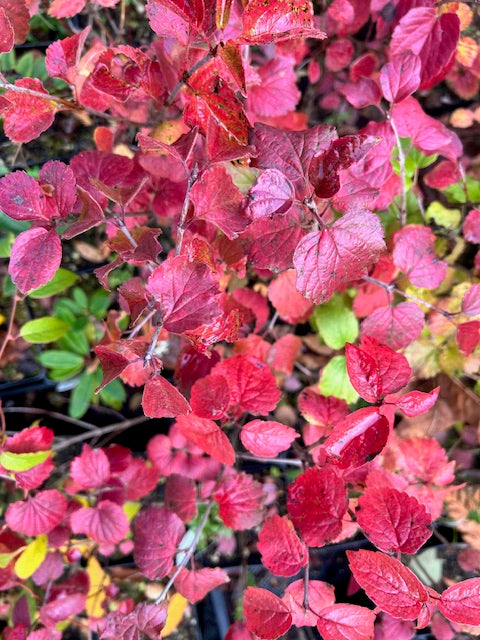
{"x": 208, "y": 437}
{"x": 26, "y": 116}
{"x": 194, "y": 585}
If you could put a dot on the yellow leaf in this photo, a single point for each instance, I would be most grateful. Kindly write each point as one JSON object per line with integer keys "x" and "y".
{"x": 176, "y": 609}
{"x": 98, "y": 580}
{"x": 32, "y": 557}
{"x": 131, "y": 509}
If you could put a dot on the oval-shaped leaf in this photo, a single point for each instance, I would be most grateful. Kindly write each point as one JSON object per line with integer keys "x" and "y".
{"x": 22, "y": 461}
{"x": 44, "y": 330}
{"x": 32, "y": 557}
{"x": 63, "y": 279}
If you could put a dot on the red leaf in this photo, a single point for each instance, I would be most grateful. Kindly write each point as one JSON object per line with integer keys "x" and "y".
{"x": 162, "y": 400}
{"x": 375, "y": 369}
{"x": 392, "y": 520}
{"x": 105, "y": 523}
{"x": 434, "y": 40}
{"x": 471, "y": 226}
{"x": 145, "y": 620}
{"x": 339, "y": 54}
{"x": 391, "y": 586}
{"x": 443, "y": 174}
{"x": 208, "y": 437}
{"x": 29, "y": 441}
{"x": 428, "y": 135}
{"x": 461, "y": 602}
{"x": 266, "y": 615}
{"x": 325, "y": 260}
{"x": 240, "y": 500}
{"x": 113, "y": 363}
{"x": 320, "y": 595}
{"x": 271, "y": 246}
{"x": 210, "y": 397}
{"x": 62, "y": 56}
{"x": 274, "y": 92}
{"x": 471, "y": 301}
{"x": 263, "y": 23}
{"x": 180, "y": 497}
{"x": 414, "y": 254}
{"x": 322, "y": 412}
{"x": 25, "y": 116}
{"x": 283, "y": 553}
{"x": 7, "y": 35}
{"x": 468, "y": 336}
{"x": 291, "y": 152}
{"x": 37, "y": 515}
{"x": 317, "y": 502}
{"x": 252, "y": 385}
{"x": 222, "y": 207}
{"x": 21, "y": 197}
{"x": 138, "y": 479}
{"x": 175, "y": 19}
{"x": 91, "y": 469}
{"x": 35, "y": 257}
{"x": 272, "y": 193}
{"x": 65, "y": 8}
{"x": 58, "y": 182}
{"x": 239, "y": 631}
{"x": 400, "y": 77}
{"x": 157, "y": 533}
{"x": 396, "y": 326}
{"x": 194, "y": 585}
{"x": 362, "y": 93}
{"x": 346, "y": 622}
{"x": 359, "y": 438}
{"x": 289, "y": 304}
{"x": 267, "y": 438}
{"x": 18, "y": 16}
{"x": 185, "y": 293}
{"x": 414, "y": 403}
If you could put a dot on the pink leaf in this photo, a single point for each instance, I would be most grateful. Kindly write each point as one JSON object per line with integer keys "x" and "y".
{"x": 63, "y": 56}
{"x": 471, "y": 301}
{"x": 267, "y": 438}
{"x": 208, "y": 437}
{"x": 325, "y": 260}
{"x": 375, "y": 369}
{"x": 185, "y": 293}
{"x": 37, "y": 515}
{"x": 468, "y": 336}
{"x": 63, "y": 607}
{"x": 7, "y": 35}
{"x": 240, "y": 500}
{"x": 272, "y": 193}
{"x": 400, "y": 77}
{"x": 433, "y": 39}
{"x": 461, "y": 602}
{"x": 175, "y": 19}
{"x": 157, "y": 533}
{"x": 145, "y": 620}
{"x": 35, "y": 257}
{"x": 317, "y": 502}
{"x": 283, "y": 553}
{"x": 346, "y": 622}
{"x": 222, "y": 207}
{"x": 105, "y": 523}
{"x": 239, "y": 631}
{"x": 289, "y": 304}
{"x": 138, "y": 479}
{"x": 194, "y": 585}
{"x": 471, "y": 226}
{"x": 266, "y": 615}
{"x": 320, "y": 596}
{"x": 180, "y": 496}
{"x": 393, "y": 520}
{"x": 414, "y": 254}
{"x": 66, "y": 8}
{"x": 361, "y": 436}
{"x": 58, "y": 183}
{"x": 391, "y": 586}
{"x": 21, "y": 197}
{"x": 91, "y": 469}
{"x": 162, "y": 400}
{"x": 276, "y": 93}
{"x": 414, "y": 403}
{"x": 396, "y": 326}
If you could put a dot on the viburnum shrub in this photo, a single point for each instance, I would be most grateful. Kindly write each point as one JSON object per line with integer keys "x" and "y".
{"x": 242, "y": 216}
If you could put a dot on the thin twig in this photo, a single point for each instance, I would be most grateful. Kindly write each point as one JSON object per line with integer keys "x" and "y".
{"x": 287, "y": 462}
{"x": 403, "y": 175}
{"x": 189, "y": 73}
{"x": 99, "y": 432}
{"x": 306, "y": 580}
{"x": 8, "y": 335}
{"x": 38, "y": 94}
{"x": 186, "y": 202}
{"x": 51, "y": 414}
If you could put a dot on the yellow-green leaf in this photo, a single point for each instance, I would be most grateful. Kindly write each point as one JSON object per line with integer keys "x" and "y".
{"x": 22, "y": 461}
{"x": 32, "y": 557}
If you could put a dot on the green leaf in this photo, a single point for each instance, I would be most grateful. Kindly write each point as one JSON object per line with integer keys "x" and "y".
{"x": 16, "y": 226}
{"x": 76, "y": 342}
{"x": 64, "y": 373}
{"x": 113, "y": 394}
{"x": 57, "y": 359}
{"x": 6, "y": 245}
{"x": 443, "y": 217}
{"x": 44, "y": 330}
{"x": 6, "y": 558}
{"x": 81, "y": 395}
{"x": 99, "y": 303}
{"x": 63, "y": 279}
{"x": 335, "y": 323}
{"x": 80, "y": 298}
{"x": 22, "y": 461}
{"x": 335, "y": 381}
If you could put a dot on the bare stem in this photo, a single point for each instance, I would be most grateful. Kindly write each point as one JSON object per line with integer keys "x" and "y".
{"x": 306, "y": 580}
{"x": 403, "y": 175}
{"x": 50, "y": 414}
{"x": 186, "y": 75}
{"x": 99, "y": 432}
{"x": 153, "y": 343}
{"x": 183, "y": 216}
{"x": 142, "y": 323}
{"x": 287, "y": 462}
{"x": 8, "y": 335}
